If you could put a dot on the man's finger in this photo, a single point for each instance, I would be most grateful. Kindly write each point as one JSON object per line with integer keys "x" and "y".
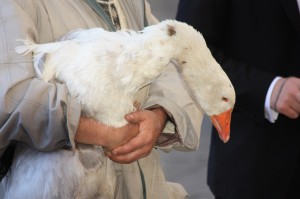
{"x": 129, "y": 157}
{"x": 132, "y": 145}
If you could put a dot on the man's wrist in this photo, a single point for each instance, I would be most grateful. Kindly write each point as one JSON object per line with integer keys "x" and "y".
{"x": 161, "y": 114}
{"x": 276, "y": 92}
{"x": 90, "y": 132}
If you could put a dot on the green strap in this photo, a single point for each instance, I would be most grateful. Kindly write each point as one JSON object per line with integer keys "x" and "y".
{"x": 146, "y": 23}
{"x": 143, "y": 181}
{"x": 99, "y": 10}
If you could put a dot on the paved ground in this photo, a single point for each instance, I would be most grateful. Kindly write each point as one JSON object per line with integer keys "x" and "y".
{"x": 187, "y": 168}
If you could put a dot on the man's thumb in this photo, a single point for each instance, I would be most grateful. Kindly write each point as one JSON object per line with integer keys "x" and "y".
{"x": 134, "y": 117}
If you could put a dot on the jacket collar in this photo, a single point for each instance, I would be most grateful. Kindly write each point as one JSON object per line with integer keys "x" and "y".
{"x": 99, "y": 10}
{"x": 292, "y": 10}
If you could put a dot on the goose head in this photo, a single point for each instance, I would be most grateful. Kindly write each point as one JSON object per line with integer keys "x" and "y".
{"x": 204, "y": 76}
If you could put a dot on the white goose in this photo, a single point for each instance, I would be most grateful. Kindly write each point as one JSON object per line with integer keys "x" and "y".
{"x": 102, "y": 69}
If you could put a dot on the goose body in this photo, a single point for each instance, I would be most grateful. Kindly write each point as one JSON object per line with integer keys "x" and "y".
{"x": 104, "y": 70}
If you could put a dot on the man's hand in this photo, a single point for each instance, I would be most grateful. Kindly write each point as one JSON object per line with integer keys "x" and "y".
{"x": 151, "y": 124}
{"x": 285, "y": 98}
{"x": 93, "y": 132}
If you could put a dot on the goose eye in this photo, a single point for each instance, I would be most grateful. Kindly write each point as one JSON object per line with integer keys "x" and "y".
{"x": 224, "y": 99}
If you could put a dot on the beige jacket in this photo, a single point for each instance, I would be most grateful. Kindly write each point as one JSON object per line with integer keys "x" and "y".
{"x": 42, "y": 114}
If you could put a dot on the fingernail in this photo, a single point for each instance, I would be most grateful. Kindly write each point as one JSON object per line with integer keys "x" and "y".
{"x": 107, "y": 153}
{"x": 130, "y": 115}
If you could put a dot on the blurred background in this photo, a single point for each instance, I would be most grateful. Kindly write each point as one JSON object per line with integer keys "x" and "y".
{"x": 186, "y": 168}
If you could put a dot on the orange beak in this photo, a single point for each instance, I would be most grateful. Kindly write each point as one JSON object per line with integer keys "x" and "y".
{"x": 222, "y": 123}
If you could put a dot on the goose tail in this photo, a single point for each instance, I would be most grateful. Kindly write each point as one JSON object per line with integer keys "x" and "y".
{"x": 30, "y": 46}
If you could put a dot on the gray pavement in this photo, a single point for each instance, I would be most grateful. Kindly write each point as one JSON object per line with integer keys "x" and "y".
{"x": 186, "y": 168}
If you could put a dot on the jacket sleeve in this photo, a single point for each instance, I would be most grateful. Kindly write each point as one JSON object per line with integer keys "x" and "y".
{"x": 32, "y": 111}
{"x": 169, "y": 91}
{"x": 212, "y": 18}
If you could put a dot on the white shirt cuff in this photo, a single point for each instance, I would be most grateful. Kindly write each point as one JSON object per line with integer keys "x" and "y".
{"x": 270, "y": 114}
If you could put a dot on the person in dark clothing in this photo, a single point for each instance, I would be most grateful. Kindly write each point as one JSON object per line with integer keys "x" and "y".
{"x": 257, "y": 42}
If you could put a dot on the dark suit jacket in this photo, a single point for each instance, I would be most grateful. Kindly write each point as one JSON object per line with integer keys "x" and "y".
{"x": 254, "y": 41}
